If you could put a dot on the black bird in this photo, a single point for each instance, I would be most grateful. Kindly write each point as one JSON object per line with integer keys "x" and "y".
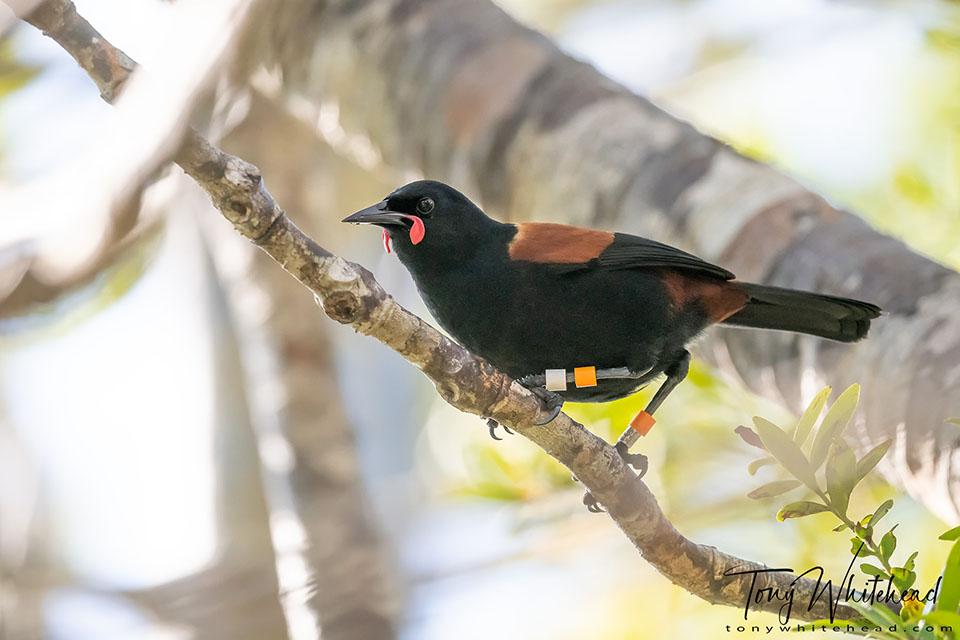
{"x": 538, "y": 296}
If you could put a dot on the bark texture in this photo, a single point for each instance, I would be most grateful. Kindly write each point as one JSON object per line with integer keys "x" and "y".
{"x": 458, "y": 91}
{"x": 349, "y": 294}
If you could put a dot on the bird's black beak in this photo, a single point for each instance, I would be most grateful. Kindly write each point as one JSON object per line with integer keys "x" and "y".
{"x": 378, "y": 214}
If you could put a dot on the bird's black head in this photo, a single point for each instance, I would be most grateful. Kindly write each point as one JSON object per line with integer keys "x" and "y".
{"x": 429, "y": 223}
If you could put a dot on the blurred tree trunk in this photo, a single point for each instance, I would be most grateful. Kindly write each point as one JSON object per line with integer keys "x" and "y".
{"x": 458, "y": 91}
{"x": 328, "y": 559}
{"x": 320, "y": 516}
{"x": 229, "y": 594}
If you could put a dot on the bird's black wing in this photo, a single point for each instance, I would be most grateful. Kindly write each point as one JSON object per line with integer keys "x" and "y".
{"x": 631, "y": 252}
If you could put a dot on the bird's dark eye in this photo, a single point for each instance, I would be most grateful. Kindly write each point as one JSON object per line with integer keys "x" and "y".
{"x": 425, "y": 205}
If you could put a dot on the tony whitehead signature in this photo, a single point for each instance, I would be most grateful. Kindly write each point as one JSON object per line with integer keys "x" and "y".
{"x": 871, "y": 594}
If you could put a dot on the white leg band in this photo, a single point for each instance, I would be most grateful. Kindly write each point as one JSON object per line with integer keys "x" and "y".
{"x": 556, "y": 379}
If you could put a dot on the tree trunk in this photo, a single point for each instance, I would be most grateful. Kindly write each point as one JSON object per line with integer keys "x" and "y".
{"x": 458, "y": 91}
{"x": 330, "y": 564}
{"x": 320, "y": 514}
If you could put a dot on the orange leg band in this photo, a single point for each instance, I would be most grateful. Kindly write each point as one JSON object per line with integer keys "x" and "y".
{"x": 585, "y": 376}
{"x": 642, "y": 423}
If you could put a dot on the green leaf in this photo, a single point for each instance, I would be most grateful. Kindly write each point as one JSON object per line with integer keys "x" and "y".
{"x": 888, "y": 543}
{"x": 872, "y": 570}
{"x": 902, "y": 578}
{"x": 800, "y": 509}
{"x": 833, "y": 424}
{"x": 950, "y": 587}
{"x": 879, "y": 615}
{"x": 14, "y": 74}
{"x": 809, "y": 417}
{"x": 929, "y": 635}
{"x": 841, "y": 467}
{"x": 754, "y": 466}
{"x": 857, "y": 621}
{"x": 910, "y": 565}
{"x": 880, "y": 512}
{"x": 951, "y": 534}
{"x": 943, "y": 619}
{"x": 870, "y": 459}
{"x": 855, "y": 544}
{"x": 772, "y": 489}
{"x": 955, "y": 421}
{"x": 840, "y": 527}
{"x": 863, "y": 532}
{"x": 913, "y": 610}
{"x": 785, "y": 451}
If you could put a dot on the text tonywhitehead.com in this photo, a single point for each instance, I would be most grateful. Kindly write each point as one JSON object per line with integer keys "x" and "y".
{"x": 839, "y": 628}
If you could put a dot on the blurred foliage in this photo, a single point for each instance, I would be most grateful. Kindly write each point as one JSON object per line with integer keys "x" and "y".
{"x": 14, "y": 74}
{"x": 919, "y": 199}
{"x": 61, "y": 315}
{"x": 721, "y": 89}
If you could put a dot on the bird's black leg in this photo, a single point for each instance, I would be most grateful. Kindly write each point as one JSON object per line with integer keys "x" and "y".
{"x": 676, "y": 372}
{"x": 551, "y": 400}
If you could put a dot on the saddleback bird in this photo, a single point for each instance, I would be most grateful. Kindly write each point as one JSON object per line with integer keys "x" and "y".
{"x": 538, "y": 297}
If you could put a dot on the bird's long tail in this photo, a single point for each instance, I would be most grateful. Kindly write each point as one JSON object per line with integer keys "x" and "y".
{"x": 831, "y": 317}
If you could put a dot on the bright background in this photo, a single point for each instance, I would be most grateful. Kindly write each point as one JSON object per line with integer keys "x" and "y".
{"x": 112, "y": 406}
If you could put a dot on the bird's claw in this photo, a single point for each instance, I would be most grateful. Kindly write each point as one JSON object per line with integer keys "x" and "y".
{"x": 552, "y": 402}
{"x": 554, "y": 412}
{"x": 492, "y": 426}
{"x": 592, "y": 504}
{"x": 533, "y": 380}
{"x": 636, "y": 460}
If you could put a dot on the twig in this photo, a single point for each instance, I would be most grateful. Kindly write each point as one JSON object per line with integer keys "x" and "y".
{"x": 349, "y": 294}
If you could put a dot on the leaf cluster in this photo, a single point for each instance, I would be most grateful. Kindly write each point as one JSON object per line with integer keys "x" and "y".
{"x": 829, "y": 471}
{"x": 828, "y": 468}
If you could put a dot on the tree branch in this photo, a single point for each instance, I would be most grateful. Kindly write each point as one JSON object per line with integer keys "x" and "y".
{"x": 349, "y": 294}
{"x": 69, "y": 239}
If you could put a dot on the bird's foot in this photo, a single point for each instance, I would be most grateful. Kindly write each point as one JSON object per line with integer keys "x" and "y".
{"x": 592, "y": 504}
{"x": 552, "y": 401}
{"x": 492, "y": 426}
{"x": 533, "y": 380}
{"x": 636, "y": 460}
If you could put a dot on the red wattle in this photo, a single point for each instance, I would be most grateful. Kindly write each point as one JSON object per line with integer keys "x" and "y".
{"x": 386, "y": 241}
{"x": 416, "y": 231}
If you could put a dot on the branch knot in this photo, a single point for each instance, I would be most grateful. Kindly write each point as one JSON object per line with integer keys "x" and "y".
{"x": 243, "y": 174}
{"x": 341, "y": 306}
